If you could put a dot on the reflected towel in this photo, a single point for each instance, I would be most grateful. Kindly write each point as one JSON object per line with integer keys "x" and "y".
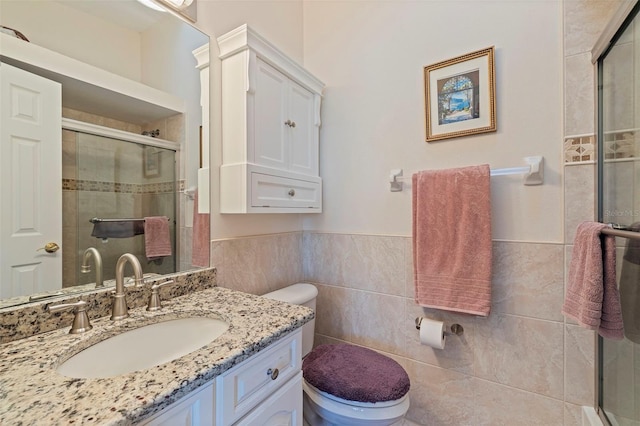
{"x": 157, "y": 239}
{"x": 630, "y": 288}
{"x": 118, "y": 229}
{"x": 592, "y": 297}
{"x": 201, "y": 240}
{"x": 452, "y": 248}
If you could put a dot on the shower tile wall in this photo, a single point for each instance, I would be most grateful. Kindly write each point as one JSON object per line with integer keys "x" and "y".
{"x": 584, "y": 21}
{"x": 98, "y": 190}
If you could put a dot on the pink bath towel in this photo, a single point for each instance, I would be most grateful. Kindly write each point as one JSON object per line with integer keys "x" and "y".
{"x": 201, "y": 239}
{"x": 157, "y": 241}
{"x": 452, "y": 249}
{"x": 592, "y": 297}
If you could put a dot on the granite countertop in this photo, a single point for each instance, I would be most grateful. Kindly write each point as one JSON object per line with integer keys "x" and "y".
{"x": 33, "y": 393}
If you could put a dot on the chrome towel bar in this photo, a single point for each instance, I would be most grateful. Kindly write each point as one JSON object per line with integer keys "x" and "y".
{"x": 533, "y": 173}
{"x": 98, "y": 220}
{"x": 621, "y": 233}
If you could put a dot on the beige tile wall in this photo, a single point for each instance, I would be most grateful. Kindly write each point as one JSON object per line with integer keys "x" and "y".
{"x": 258, "y": 264}
{"x": 523, "y": 355}
{"x": 515, "y": 357}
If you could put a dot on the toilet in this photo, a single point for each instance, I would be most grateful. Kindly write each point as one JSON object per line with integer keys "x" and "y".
{"x": 344, "y": 384}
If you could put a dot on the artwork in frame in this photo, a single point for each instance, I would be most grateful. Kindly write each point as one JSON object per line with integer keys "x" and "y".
{"x": 151, "y": 161}
{"x": 460, "y": 96}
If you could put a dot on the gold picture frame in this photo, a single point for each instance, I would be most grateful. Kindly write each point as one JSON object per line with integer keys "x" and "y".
{"x": 460, "y": 97}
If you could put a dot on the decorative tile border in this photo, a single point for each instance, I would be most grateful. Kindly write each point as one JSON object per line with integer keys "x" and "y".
{"x": 617, "y": 145}
{"x": 620, "y": 144}
{"x": 117, "y": 187}
{"x": 579, "y": 148}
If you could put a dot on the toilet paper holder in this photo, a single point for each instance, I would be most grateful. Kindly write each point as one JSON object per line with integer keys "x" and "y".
{"x": 456, "y": 329}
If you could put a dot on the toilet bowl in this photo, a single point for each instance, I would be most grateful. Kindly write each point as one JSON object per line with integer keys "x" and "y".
{"x": 345, "y": 385}
{"x": 323, "y": 409}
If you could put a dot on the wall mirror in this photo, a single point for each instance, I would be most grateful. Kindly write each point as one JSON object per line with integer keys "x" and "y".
{"x": 130, "y": 138}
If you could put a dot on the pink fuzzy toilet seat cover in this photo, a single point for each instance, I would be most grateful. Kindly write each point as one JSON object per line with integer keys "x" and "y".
{"x": 355, "y": 373}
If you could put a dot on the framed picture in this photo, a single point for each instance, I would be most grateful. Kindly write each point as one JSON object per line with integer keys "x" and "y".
{"x": 151, "y": 161}
{"x": 460, "y": 97}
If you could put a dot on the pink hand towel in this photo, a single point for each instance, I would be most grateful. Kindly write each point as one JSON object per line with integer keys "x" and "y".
{"x": 452, "y": 249}
{"x": 201, "y": 240}
{"x": 156, "y": 237}
{"x": 592, "y": 297}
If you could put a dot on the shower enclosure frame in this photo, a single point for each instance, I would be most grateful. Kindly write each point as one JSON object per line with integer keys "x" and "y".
{"x": 612, "y": 33}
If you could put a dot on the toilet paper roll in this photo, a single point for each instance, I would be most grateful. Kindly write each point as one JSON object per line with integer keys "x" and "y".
{"x": 432, "y": 333}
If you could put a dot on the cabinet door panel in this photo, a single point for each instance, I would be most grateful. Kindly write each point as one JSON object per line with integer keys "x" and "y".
{"x": 243, "y": 387}
{"x": 270, "y": 116}
{"x": 283, "y": 408}
{"x": 196, "y": 409}
{"x": 304, "y": 136}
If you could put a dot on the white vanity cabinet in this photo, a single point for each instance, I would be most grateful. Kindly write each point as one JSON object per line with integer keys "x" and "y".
{"x": 195, "y": 409}
{"x": 270, "y": 129}
{"x": 266, "y": 389}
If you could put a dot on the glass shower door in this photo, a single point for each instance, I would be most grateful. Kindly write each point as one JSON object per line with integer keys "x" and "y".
{"x": 619, "y": 176}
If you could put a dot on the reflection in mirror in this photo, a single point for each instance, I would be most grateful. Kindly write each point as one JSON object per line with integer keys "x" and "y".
{"x": 128, "y": 141}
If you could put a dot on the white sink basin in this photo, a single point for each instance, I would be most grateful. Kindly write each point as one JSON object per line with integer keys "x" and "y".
{"x": 143, "y": 348}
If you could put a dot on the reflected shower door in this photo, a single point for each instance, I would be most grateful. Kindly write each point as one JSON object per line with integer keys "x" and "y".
{"x": 118, "y": 180}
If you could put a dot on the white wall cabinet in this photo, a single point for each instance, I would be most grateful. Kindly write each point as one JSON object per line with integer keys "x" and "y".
{"x": 270, "y": 129}
{"x": 266, "y": 389}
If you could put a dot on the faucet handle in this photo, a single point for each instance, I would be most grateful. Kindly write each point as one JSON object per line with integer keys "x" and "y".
{"x": 80, "y": 320}
{"x": 154, "y": 301}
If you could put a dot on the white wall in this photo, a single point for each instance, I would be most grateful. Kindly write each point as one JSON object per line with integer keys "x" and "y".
{"x": 168, "y": 64}
{"x": 75, "y": 34}
{"x": 371, "y": 56}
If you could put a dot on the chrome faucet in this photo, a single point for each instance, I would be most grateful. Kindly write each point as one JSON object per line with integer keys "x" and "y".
{"x": 97, "y": 259}
{"x": 119, "y": 308}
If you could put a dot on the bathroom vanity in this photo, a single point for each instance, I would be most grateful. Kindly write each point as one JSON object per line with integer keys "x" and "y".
{"x": 248, "y": 375}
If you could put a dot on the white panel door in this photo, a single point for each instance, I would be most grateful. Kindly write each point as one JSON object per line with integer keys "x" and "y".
{"x": 304, "y": 135}
{"x": 270, "y": 116}
{"x": 30, "y": 182}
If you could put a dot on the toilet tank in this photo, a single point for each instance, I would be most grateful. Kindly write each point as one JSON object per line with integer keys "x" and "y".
{"x": 300, "y": 294}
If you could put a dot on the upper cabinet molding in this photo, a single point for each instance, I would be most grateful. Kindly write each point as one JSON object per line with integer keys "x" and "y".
{"x": 245, "y": 38}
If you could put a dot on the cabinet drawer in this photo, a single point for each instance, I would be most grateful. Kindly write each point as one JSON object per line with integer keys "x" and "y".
{"x": 244, "y": 386}
{"x": 275, "y": 191}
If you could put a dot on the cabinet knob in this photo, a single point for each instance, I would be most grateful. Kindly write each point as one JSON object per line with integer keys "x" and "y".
{"x": 273, "y": 373}
{"x": 290, "y": 123}
{"x": 293, "y": 124}
{"x": 292, "y": 192}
